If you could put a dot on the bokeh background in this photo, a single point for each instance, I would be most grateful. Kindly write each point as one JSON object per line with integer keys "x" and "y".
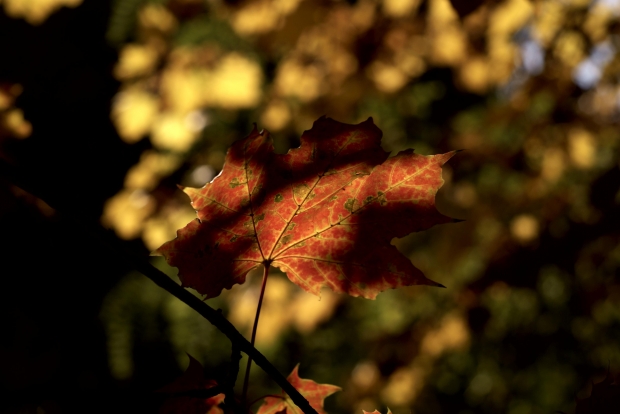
{"x": 106, "y": 105}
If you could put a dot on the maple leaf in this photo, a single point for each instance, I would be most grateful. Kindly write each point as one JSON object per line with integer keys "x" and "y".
{"x": 192, "y": 380}
{"x": 324, "y": 213}
{"x": 313, "y": 392}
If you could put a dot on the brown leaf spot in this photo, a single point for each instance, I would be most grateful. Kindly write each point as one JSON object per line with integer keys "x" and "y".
{"x": 234, "y": 183}
{"x": 349, "y": 205}
{"x": 278, "y": 198}
{"x": 381, "y": 198}
{"x": 300, "y": 190}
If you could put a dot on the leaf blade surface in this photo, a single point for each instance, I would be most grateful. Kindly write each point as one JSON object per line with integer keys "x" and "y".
{"x": 323, "y": 213}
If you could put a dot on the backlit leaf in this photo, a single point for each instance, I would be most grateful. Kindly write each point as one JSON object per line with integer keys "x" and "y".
{"x": 324, "y": 213}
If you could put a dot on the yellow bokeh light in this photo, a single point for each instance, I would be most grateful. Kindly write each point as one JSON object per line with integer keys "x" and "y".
{"x": 403, "y": 386}
{"x": 449, "y": 47}
{"x": 548, "y": 20}
{"x": 552, "y": 164}
{"x": 474, "y": 75}
{"x": 596, "y": 22}
{"x": 157, "y": 17}
{"x": 569, "y": 48}
{"x": 447, "y": 38}
{"x": 276, "y": 116}
{"x": 163, "y": 226}
{"x": 365, "y": 375}
{"x": 6, "y": 100}
{"x": 262, "y": 16}
{"x": 508, "y": 17}
{"x": 235, "y": 83}
{"x": 135, "y": 60}
{"x": 410, "y": 64}
{"x": 294, "y": 79}
{"x": 405, "y": 383}
{"x": 524, "y": 228}
{"x": 150, "y": 169}
{"x": 171, "y": 132}
{"x": 126, "y": 212}
{"x": 308, "y": 311}
{"x": 387, "y": 78}
{"x": 453, "y": 333}
{"x": 133, "y": 113}
{"x": 441, "y": 14}
{"x": 399, "y": 8}
{"x": 581, "y": 148}
{"x": 256, "y": 17}
{"x": 182, "y": 89}
{"x": 502, "y": 53}
{"x": 35, "y": 12}
{"x": 15, "y": 123}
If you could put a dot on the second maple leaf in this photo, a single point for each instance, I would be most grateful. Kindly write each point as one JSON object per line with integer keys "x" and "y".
{"x": 323, "y": 213}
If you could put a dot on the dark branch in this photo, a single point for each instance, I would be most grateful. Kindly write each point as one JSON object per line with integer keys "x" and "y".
{"x": 162, "y": 280}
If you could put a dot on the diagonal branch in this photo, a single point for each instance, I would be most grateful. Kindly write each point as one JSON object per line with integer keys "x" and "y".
{"x": 162, "y": 280}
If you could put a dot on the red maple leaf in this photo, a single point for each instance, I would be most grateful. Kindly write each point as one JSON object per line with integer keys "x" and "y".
{"x": 323, "y": 213}
{"x": 192, "y": 380}
{"x": 313, "y": 392}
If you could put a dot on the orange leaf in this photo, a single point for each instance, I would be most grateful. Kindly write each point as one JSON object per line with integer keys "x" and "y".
{"x": 323, "y": 213}
{"x": 313, "y": 392}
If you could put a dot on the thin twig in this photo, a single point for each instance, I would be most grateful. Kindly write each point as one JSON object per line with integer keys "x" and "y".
{"x": 246, "y": 380}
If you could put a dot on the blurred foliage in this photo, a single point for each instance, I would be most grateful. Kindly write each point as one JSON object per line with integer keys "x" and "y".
{"x": 12, "y": 122}
{"x": 529, "y": 88}
{"x": 35, "y": 12}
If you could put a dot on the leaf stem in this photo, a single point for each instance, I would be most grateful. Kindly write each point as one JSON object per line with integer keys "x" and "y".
{"x": 246, "y": 380}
